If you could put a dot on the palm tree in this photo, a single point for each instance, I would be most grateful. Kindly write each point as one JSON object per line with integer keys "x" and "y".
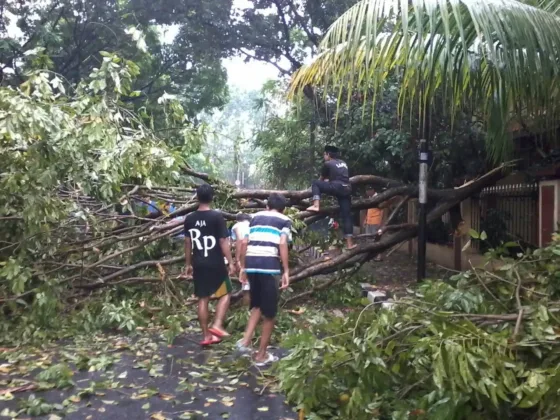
{"x": 500, "y": 57}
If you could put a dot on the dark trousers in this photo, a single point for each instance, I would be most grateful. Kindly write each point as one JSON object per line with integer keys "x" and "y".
{"x": 343, "y": 194}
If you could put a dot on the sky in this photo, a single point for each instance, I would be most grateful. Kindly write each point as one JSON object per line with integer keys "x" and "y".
{"x": 251, "y": 75}
{"x": 241, "y": 75}
{"x": 248, "y": 76}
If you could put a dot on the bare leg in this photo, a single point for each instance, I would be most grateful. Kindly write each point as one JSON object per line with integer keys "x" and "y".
{"x": 221, "y": 309}
{"x": 267, "y": 328}
{"x": 246, "y": 298}
{"x": 203, "y": 317}
{"x": 251, "y": 326}
{"x": 350, "y": 243}
{"x": 315, "y": 206}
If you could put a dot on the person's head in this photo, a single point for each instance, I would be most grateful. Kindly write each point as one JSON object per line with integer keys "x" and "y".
{"x": 331, "y": 152}
{"x": 243, "y": 217}
{"x": 370, "y": 191}
{"x": 276, "y": 202}
{"x": 205, "y": 193}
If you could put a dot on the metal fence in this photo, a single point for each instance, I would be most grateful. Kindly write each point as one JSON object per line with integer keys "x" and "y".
{"x": 507, "y": 213}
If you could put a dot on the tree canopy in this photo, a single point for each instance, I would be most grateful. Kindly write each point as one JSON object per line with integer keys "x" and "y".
{"x": 68, "y": 37}
{"x": 499, "y": 56}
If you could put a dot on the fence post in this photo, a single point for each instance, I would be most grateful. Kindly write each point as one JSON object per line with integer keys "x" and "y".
{"x": 548, "y": 210}
{"x": 411, "y": 218}
{"x": 461, "y": 234}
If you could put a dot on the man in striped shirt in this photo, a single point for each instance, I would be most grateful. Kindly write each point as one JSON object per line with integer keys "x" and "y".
{"x": 264, "y": 255}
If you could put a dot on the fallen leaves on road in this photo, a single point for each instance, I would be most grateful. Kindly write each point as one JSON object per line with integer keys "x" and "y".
{"x": 23, "y": 388}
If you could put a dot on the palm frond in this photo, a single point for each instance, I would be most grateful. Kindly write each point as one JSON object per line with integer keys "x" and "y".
{"x": 501, "y": 56}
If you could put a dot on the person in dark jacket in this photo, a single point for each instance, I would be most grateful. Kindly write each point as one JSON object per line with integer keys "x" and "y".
{"x": 334, "y": 181}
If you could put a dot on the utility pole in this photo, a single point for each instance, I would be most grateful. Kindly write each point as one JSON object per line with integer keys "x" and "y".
{"x": 423, "y": 158}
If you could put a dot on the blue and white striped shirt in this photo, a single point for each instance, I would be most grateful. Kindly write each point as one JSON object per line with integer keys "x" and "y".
{"x": 266, "y": 229}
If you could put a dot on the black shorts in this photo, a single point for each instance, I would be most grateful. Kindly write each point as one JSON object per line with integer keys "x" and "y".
{"x": 207, "y": 281}
{"x": 264, "y": 293}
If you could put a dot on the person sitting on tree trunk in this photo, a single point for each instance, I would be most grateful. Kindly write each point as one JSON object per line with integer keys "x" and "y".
{"x": 335, "y": 181}
{"x": 206, "y": 245}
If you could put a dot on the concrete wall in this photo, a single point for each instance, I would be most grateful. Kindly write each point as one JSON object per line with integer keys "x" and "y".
{"x": 458, "y": 256}
{"x": 445, "y": 256}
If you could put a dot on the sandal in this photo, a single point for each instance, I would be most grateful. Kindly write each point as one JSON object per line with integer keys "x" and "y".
{"x": 246, "y": 350}
{"x": 218, "y": 333}
{"x": 213, "y": 340}
{"x": 270, "y": 358}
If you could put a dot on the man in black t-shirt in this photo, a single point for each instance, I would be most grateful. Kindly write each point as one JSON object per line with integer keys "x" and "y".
{"x": 335, "y": 181}
{"x": 206, "y": 245}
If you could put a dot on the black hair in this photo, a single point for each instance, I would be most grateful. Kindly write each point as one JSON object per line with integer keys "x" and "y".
{"x": 205, "y": 193}
{"x": 242, "y": 217}
{"x": 276, "y": 202}
{"x": 332, "y": 151}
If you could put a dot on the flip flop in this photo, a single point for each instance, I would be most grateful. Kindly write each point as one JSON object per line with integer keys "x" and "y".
{"x": 244, "y": 350}
{"x": 270, "y": 358}
{"x": 213, "y": 340}
{"x": 218, "y": 333}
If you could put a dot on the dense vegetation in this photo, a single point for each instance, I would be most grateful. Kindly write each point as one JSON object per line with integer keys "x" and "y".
{"x": 110, "y": 107}
{"x": 482, "y": 345}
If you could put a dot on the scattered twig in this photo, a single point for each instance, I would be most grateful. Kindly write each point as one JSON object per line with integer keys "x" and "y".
{"x": 486, "y": 287}
{"x": 519, "y": 307}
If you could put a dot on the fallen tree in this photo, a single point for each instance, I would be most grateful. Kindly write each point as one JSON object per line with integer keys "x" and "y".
{"x": 93, "y": 198}
{"x": 114, "y": 249}
{"x": 481, "y": 345}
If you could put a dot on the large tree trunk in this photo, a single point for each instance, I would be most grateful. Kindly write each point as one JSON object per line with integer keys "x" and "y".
{"x": 109, "y": 255}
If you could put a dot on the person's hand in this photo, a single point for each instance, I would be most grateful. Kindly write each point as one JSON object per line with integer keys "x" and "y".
{"x": 242, "y": 276}
{"x": 231, "y": 270}
{"x": 285, "y": 280}
{"x": 187, "y": 273}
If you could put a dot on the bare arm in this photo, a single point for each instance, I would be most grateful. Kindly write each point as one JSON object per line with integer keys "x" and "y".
{"x": 324, "y": 173}
{"x": 226, "y": 250}
{"x": 283, "y": 247}
{"x": 237, "y": 244}
{"x": 242, "y": 251}
{"x": 188, "y": 251}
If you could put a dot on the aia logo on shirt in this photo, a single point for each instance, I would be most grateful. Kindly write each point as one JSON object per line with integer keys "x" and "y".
{"x": 342, "y": 165}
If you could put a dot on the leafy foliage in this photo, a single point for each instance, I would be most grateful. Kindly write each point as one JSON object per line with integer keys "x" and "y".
{"x": 230, "y": 153}
{"x": 483, "y": 345}
{"x": 60, "y": 142}
{"x": 35, "y": 406}
{"x": 60, "y": 375}
{"x": 499, "y": 58}
{"x": 69, "y": 36}
{"x": 372, "y": 138}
